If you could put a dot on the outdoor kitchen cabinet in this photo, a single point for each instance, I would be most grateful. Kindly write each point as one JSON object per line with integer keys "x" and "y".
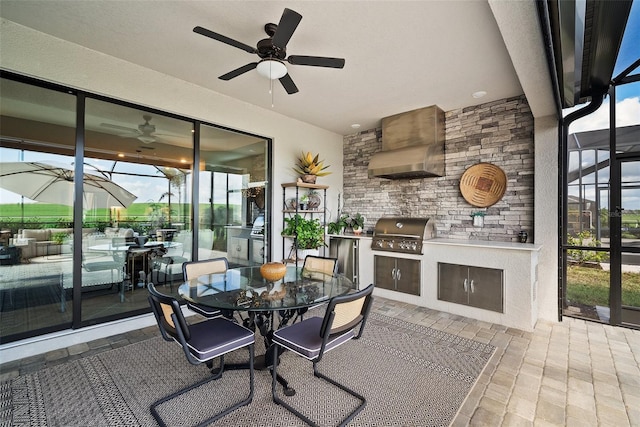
{"x": 397, "y": 274}
{"x": 473, "y": 286}
{"x": 237, "y": 246}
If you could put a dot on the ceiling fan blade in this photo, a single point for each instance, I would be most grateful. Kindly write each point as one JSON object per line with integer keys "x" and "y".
{"x": 224, "y": 39}
{"x": 288, "y": 84}
{"x": 316, "y": 61}
{"x": 288, "y": 24}
{"x": 238, "y": 71}
{"x": 120, "y": 128}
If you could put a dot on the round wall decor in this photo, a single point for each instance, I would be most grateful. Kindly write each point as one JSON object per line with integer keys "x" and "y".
{"x": 483, "y": 184}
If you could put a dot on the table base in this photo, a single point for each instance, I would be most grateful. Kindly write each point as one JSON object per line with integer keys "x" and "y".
{"x": 263, "y": 321}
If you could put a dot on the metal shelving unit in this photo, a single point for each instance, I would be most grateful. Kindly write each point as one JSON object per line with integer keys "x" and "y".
{"x": 294, "y": 189}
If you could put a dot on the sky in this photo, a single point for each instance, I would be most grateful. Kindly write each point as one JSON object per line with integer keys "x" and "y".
{"x": 627, "y": 96}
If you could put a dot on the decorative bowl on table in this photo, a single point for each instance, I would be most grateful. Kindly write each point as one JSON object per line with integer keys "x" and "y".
{"x": 273, "y": 271}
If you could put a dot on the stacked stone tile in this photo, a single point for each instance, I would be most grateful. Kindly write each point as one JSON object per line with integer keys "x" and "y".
{"x": 498, "y": 132}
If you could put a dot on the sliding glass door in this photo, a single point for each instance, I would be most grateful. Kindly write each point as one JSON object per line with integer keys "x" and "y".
{"x": 156, "y": 190}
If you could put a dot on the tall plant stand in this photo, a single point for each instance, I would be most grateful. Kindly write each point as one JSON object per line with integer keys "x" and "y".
{"x": 295, "y": 191}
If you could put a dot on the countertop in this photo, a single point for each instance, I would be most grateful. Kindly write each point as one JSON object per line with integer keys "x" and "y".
{"x": 456, "y": 242}
{"x": 351, "y": 236}
{"x": 485, "y": 244}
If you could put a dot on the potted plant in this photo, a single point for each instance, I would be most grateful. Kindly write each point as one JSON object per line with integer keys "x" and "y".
{"x": 338, "y": 226}
{"x": 309, "y": 233}
{"x": 309, "y": 167}
{"x": 304, "y": 202}
{"x": 356, "y": 222}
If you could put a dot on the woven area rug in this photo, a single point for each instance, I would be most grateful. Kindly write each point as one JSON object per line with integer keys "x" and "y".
{"x": 411, "y": 375}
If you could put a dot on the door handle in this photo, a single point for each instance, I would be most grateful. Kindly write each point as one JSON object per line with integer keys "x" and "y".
{"x": 465, "y": 286}
{"x": 398, "y": 274}
{"x": 473, "y": 286}
{"x": 393, "y": 273}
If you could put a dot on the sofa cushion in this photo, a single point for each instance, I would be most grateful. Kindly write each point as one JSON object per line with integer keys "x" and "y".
{"x": 67, "y": 231}
{"x": 39, "y": 235}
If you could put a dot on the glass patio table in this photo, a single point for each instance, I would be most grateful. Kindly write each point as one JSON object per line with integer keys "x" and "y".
{"x": 245, "y": 290}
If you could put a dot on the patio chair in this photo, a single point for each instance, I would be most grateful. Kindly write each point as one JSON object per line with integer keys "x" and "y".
{"x": 316, "y": 268}
{"x": 202, "y": 342}
{"x": 315, "y": 336}
{"x": 193, "y": 269}
{"x": 168, "y": 268}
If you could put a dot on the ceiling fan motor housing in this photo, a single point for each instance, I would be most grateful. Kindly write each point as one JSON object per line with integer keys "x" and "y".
{"x": 266, "y": 49}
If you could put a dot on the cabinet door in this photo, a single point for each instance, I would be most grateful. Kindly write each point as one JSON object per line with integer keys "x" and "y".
{"x": 486, "y": 288}
{"x": 453, "y": 282}
{"x": 408, "y": 276}
{"x": 238, "y": 249}
{"x": 257, "y": 251}
{"x": 384, "y": 268}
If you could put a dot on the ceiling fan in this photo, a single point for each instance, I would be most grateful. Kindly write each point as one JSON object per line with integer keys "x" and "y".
{"x": 273, "y": 52}
{"x": 145, "y": 132}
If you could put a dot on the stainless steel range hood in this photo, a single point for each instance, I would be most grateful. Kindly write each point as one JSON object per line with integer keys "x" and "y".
{"x": 412, "y": 145}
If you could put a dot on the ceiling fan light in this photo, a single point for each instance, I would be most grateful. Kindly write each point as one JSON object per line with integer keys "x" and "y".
{"x": 146, "y": 139}
{"x": 271, "y": 69}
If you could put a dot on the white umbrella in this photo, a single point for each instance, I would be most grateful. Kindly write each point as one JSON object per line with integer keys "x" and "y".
{"x": 53, "y": 183}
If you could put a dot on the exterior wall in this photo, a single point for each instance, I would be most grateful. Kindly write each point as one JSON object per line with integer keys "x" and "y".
{"x": 499, "y": 132}
{"x": 546, "y": 217}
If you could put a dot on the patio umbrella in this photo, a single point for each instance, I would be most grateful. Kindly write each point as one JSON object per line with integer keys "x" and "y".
{"x": 53, "y": 183}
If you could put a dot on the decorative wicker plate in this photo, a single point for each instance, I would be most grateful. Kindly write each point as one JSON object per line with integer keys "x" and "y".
{"x": 483, "y": 184}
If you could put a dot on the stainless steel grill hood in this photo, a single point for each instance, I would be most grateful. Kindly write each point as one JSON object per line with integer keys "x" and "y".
{"x": 412, "y": 145}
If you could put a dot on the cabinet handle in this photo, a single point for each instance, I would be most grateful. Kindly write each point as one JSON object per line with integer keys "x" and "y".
{"x": 465, "y": 286}
{"x": 473, "y": 287}
{"x": 398, "y": 274}
{"x": 393, "y": 274}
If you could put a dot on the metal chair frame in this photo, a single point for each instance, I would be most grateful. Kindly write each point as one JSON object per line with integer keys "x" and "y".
{"x": 305, "y": 266}
{"x": 193, "y": 269}
{"x": 331, "y": 338}
{"x": 178, "y": 330}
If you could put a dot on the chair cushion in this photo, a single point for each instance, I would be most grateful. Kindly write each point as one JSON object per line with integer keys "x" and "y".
{"x": 38, "y": 234}
{"x": 304, "y": 338}
{"x": 215, "y": 337}
{"x": 204, "y": 310}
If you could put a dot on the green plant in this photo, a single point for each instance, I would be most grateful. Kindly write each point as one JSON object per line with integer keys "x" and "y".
{"x": 310, "y": 165}
{"x": 309, "y": 233}
{"x": 356, "y": 220}
{"x": 337, "y": 226}
{"x": 581, "y": 256}
{"x": 59, "y": 238}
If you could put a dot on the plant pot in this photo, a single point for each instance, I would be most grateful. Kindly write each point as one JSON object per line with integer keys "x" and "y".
{"x": 357, "y": 230}
{"x": 309, "y": 179}
{"x": 302, "y": 253}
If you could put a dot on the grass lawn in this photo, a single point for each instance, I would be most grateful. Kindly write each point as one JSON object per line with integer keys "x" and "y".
{"x": 590, "y": 286}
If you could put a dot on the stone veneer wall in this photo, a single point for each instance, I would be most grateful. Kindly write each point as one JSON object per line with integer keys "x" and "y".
{"x": 499, "y": 132}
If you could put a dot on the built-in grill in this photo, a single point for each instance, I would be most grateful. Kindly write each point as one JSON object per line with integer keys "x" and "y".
{"x": 404, "y": 235}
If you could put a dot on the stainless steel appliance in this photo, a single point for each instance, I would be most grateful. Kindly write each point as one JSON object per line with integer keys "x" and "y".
{"x": 412, "y": 145}
{"x": 403, "y": 236}
{"x": 345, "y": 250}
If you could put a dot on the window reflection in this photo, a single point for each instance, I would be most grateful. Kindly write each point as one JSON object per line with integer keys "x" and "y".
{"x": 147, "y": 240}
{"x": 233, "y": 178}
{"x": 35, "y": 223}
{"x": 138, "y": 231}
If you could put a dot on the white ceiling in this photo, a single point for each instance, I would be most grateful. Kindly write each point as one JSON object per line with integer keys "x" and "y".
{"x": 400, "y": 55}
